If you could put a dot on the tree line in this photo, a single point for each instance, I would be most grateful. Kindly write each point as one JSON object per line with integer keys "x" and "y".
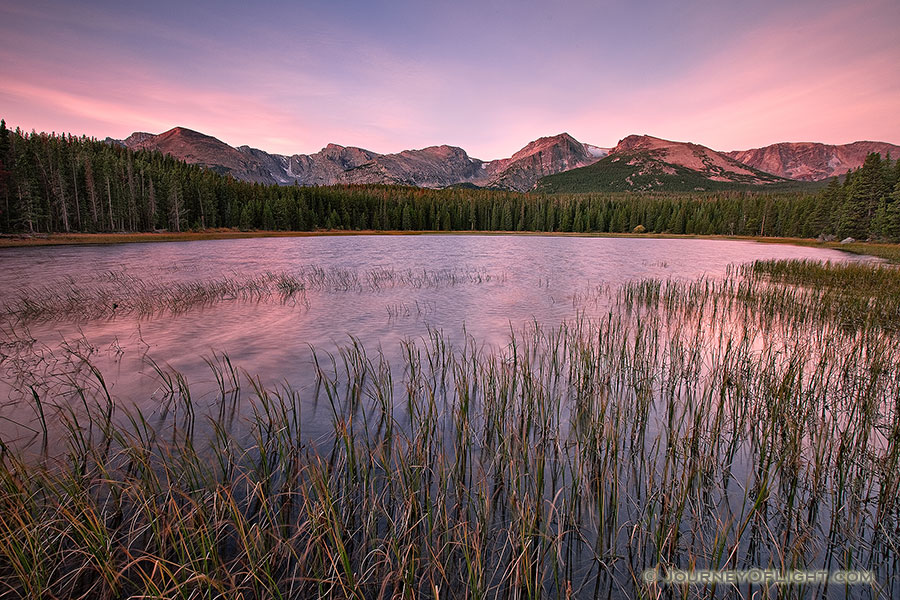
{"x": 62, "y": 183}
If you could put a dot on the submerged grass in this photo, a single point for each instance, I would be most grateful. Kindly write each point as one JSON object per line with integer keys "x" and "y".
{"x": 698, "y": 424}
{"x": 118, "y": 293}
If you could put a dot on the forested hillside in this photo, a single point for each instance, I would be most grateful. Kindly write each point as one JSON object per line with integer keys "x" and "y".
{"x": 60, "y": 183}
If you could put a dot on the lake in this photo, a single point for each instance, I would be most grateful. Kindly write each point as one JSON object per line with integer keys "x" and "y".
{"x": 541, "y": 415}
{"x": 481, "y": 284}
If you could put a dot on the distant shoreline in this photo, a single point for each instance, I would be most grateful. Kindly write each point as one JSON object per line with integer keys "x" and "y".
{"x": 890, "y": 252}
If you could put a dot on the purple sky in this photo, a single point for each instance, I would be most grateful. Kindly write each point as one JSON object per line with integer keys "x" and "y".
{"x": 489, "y": 76}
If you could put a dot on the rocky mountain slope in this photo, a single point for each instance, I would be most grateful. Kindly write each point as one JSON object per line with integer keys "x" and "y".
{"x": 197, "y": 148}
{"x": 638, "y": 162}
{"x": 811, "y": 161}
{"x": 435, "y": 166}
{"x": 542, "y": 157}
{"x": 644, "y": 163}
{"x": 325, "y": 167}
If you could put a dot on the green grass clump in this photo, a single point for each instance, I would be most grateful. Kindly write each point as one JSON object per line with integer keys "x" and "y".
{"x": 854, "y": 294}
{"x": 889, "y": 252}
{"x": 863, "y": 278}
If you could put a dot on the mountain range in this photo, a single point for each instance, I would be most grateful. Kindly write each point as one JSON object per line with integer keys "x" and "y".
{"x": 645, "y": 163}
{"x": 810, "y": 161}
{"x": 555, "y": 163}
{"x": 433, "y": 167}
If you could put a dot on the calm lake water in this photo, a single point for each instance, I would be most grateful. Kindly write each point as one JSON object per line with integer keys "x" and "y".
{"x": 483, "y": 286}
{"x": 133, "y": 309}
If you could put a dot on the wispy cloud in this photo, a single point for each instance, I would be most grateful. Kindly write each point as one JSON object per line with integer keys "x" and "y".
{"x": 291, "y": 78}
{"x": 831, "y": 79}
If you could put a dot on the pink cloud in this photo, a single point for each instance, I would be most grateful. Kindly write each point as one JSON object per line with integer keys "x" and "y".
{"x": 831, "y": 79}
{"x": 778, "y": 83}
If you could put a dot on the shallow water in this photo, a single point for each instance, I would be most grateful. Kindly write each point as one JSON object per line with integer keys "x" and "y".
{"x": 383, "y": 290}
{"x": 483, "y": 286}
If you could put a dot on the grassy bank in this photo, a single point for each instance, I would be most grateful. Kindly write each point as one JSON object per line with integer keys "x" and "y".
{"x": 748, "y": 422}
{"x": 889, "y": 252}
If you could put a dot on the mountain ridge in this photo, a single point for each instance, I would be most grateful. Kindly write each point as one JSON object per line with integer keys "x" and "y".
{"x": 648, "y": 163}
{"x": 811, "y": 161}
{"x": 444, "y": 165}
{"x": 433, "y": 166}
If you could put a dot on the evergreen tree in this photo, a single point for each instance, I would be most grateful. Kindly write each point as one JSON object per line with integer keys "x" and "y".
{"x": 888, "y": 216}
{"x": 507, "y": 223}
{"x": 407, "y": 222}
{"x": 268, "y": 218}
{"x": 5, "y": 175}
{"x": 822, "y": 218}
{"x": 176, "y": 205}
{"x": 51, "y": 183}
{"x": 565, "y": 217}
{"x": 864, "y": 191}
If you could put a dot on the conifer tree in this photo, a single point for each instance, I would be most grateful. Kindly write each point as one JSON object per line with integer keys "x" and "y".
{"x": 864, "y": 191}
{"x": 5, "y": 174}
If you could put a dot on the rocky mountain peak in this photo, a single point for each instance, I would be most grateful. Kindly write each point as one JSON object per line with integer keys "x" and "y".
{"x": 562, "y": 140}
{"x": 713, "y": 165}
{"x": 136, "y": 138}
{"x": 811, "y": 161}
{"x": 443, "y": 165}
{"x": 544, "y": 156}
{"x": 633, "y": 143}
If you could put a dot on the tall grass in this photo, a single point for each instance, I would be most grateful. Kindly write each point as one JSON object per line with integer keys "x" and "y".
{"x": 700, "y": 424}
{"x": 121, "y": 293}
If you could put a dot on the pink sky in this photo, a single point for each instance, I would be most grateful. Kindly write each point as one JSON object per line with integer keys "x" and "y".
{"x": 290, "y": 80}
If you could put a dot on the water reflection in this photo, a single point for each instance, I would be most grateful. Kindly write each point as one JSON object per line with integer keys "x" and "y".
{"x": 519, "y": 279}
{"x": 653, "y": 432}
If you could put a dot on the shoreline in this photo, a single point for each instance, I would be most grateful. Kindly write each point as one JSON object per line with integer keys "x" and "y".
{"x": 890, "y": 252}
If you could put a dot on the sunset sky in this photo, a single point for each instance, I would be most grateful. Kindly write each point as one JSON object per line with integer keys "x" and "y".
{"x": 488, "y": 76}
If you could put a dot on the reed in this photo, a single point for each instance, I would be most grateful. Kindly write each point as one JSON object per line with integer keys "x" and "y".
{"x": 120, "y": 293}
{"x": 739, "y": 423}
